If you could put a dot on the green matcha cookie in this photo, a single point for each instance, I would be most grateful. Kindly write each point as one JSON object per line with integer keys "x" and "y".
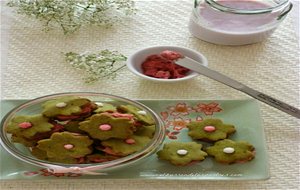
{"x": 227, "y": 151}
{"x": 42, "y": 155}
{"x": 28, "y": 126}
{"x": 24, "y": 141}
{"x": 105, "y": 107}
{"x": 182, "y": 153}
{"x": 73, "y": 126}
{"x": 210, "y": 130}
{"x": 104, "y": 126}
{"x": 125, "y": 147}
{"x": 67, "y": 106}
{"x": 147, "y": 131}
{"x": 99, "y": 158}
{"x": 141, "y": 115}
{"x": 65, "y": 145}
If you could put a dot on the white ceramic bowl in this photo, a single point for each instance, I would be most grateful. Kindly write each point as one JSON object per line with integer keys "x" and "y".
{"x": 135, "y": 61}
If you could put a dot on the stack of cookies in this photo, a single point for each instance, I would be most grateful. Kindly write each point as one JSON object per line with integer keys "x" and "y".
{"x": 75, "y": 130}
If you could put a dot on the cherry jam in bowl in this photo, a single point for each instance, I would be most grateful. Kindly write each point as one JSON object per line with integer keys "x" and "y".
{"x": 157, "y": 63}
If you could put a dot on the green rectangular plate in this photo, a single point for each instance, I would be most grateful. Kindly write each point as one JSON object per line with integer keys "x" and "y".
{"x": 244, "y": 114}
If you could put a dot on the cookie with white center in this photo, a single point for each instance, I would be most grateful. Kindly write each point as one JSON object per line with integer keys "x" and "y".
{"x": 141, "y": 115}
{"x": 105, "y": 107}
{"x": 68, "y": 108}
{"x": 210, "y": 130}
{"x": 228, "y": 151}
{"x": 182, "y": 153}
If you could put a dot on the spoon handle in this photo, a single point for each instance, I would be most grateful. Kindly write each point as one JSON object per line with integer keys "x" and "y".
{"x": 199, "y": 68}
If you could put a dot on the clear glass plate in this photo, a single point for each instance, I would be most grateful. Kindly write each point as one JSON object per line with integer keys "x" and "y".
{"x": 244, "y": 114}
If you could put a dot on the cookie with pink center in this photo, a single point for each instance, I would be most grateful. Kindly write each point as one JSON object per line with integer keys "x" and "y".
{"x": 65, "y": 145}
{"x": 68, "y": 108}
{"x": 228, "y": 151}
{"x": 104, "y": 126}
{"x": 182, "y": 153}
{"x": 42, "y": 155}
{"x": 119, "y": 147}
{"x": 210, "y": 130}
{"x": 28, "y": 129}
{"x": 140, "y": 115}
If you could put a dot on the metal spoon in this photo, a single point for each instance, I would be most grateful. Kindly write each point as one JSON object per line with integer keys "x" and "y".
{"x": 199, "y": 68}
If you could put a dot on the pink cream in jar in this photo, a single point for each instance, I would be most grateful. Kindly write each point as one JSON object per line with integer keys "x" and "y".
{"x": 237, "y": 22}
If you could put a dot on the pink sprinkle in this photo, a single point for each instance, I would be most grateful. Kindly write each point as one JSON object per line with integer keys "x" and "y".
{"x": 105, "y": 127}
{"x": 209, "y": 128}
{"x": 25, "y": 125}
{"x": 68, "y": 146}
{"x": 130, "y": 141}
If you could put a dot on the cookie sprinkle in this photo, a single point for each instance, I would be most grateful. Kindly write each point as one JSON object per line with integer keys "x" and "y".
{"x": 25, "y": 125}
{"x": 68, "y": 146}
{"x": 130, "y": 141}
{"x": 182, "y": 152}
{"x": 142, "y": 112}
{"x": 228, "y": 150}
{"x": 61, "y": 105}
{"x": 105, "y": 127}
{"x": 209, "y": 128}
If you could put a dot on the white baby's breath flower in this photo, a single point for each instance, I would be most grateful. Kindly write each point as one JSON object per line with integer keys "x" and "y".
{"x": 95, "y": 68}
{"x": 70, "y": 15}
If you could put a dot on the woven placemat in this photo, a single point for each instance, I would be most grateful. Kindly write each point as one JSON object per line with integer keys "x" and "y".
{"x": 35, "y": 66}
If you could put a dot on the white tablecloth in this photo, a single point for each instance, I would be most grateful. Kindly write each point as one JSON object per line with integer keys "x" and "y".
{"x": 34, "y": 66}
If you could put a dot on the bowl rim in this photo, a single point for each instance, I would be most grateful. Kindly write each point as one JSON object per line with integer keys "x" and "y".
{"x": 149, "y": 149}
{"x": 129, "y": 62}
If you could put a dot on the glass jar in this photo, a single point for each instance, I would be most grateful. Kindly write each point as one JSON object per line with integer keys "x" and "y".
{"x": 237, "y": 22}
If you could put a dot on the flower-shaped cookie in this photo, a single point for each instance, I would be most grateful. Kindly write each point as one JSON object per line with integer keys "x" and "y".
{"x": 182, "y": 153}
{"x": 42, "y": 155}
{"x": 210, "y": 130}
{"x": 99, "y": 158}
{"x": 125, "y": 147}
{"x": 23, "y": 140}
{"x": 73, "y": 127}
{"x": 65, "y": 145}
{"x": 141, "y": 115}
{"x": 68, "y": 107}
{"x": 28, "y": 126}
{"x": 227, "y": 151}
{"x": 105, "y": 107}
{"x": 104, "y": 126}
{"x": 147, "y": 131}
